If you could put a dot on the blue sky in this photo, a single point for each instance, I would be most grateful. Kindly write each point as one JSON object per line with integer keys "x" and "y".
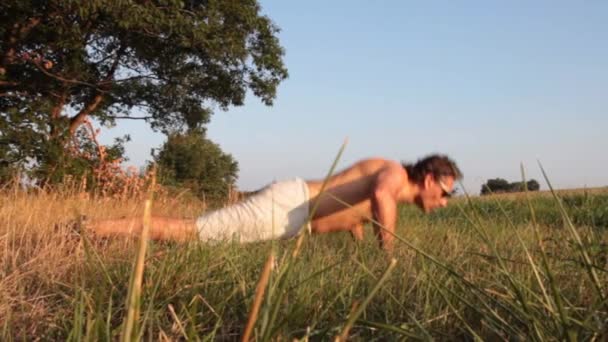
{"x": 491, "y": 83}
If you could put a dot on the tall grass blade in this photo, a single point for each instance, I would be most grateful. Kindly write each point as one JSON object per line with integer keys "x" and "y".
{"x": 359, "y": 310}
{"x": 259, "y": 295}
{"x": 557, "y": 296}
{"x": 315, "y": 205}
{"x": 394, "y": 329}
{"x": 581, "y": 247}
{"x": 79, "y": 317}
{"x": 129, "y": 332}
{"x": 425, "y": 332}
{"x": 287, "y": 266}
{"x": 177, "y": 321}
{"x": 471, "y": 331}
{"x": 516, "y": 286}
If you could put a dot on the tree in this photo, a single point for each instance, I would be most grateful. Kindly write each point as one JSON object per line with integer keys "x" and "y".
{"x": 516, "y": 187}
{"x": 495, "y": 185}
{"x": 192, "y": 161}
{"x": 166, "y": 62}
{"x": 533, "y": 185}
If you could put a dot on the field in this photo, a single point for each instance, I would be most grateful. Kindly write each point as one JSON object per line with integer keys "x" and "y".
{"x": 492, "y": 268}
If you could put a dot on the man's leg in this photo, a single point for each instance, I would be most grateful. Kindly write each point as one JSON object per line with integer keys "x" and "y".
{"x": 161, "y": 228}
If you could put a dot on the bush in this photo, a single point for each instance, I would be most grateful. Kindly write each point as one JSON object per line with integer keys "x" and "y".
{"x": 191, "y": 161}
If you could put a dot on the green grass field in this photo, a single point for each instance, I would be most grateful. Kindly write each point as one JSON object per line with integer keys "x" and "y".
{"x": 494, "y": 268}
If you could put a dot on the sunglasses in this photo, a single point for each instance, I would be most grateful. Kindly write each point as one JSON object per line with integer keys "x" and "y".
{"x": 444, "y": 190}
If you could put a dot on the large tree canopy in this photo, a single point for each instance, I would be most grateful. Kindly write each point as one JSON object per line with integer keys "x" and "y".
{"x": 62, "y": 61}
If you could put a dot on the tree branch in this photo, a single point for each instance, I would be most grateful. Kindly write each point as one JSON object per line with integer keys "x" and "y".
{"x": 13, "y": 94}
{"x": 79, "y": 118}
{"x": 9, "y": 85}
{"x": 131, "y": 117}
{"x": 56, "y": 111}
{"x": 17, "y": 33}
{"x": 151, "y": 76}
{"x": 66, "y": 80}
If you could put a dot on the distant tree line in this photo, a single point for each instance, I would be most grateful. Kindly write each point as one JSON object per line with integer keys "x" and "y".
{"x": 499, "y": 185}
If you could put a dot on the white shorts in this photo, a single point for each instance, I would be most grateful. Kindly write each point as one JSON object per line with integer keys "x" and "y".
{"x": 278, "y": 211}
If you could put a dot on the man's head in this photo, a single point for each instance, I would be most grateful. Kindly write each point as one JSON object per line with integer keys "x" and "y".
{"x": 434, "y": 176}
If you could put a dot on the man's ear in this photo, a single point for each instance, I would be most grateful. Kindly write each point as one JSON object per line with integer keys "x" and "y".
{"x": 428, "y": 180}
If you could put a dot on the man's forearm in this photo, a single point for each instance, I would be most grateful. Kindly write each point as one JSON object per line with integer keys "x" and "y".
{"x": 385, "y": 217}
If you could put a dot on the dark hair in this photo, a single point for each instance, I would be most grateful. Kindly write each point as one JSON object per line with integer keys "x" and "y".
{"x": 436, "y": 164}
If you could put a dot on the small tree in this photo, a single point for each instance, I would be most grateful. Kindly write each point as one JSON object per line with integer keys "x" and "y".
{"x": 192, "y": 161}
{"x": 496, "y": 185}
{"x": 533, "y": 185}
{"x": 516, "y": 187}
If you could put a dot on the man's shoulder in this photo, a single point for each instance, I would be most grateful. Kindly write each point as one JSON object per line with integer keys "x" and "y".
{"x": 379, "y": 166}
{"x": 379, "y": 163}
{"x": 375, "y": 161}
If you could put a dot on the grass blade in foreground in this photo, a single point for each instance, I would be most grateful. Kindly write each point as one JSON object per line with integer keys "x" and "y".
{"x": 281, "y": 284}
{"x": 353, "y": 317}
{"x": 259, "y": 295}
{"x": 133, "y": 299}
{"x": 557, "y": 295}
{"x": 586, "y": 259}
{"x": 321, "y": 192}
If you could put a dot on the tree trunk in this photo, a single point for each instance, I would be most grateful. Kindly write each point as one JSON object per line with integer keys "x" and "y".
{"x": 79, "y": 118}
{"x": 56, "y": 113}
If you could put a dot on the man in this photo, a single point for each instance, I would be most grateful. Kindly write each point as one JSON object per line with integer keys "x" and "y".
{"x": 367, "y": 191}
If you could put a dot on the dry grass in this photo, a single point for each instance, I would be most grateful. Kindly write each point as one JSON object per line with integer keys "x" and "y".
{"x": 43, "y": 249}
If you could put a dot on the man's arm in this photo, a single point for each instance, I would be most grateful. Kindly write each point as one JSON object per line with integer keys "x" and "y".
{"x": 384, "y": 205}
{"x": 161, "y": 228}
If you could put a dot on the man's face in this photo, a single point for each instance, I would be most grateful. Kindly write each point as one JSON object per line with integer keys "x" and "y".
{"x": 435, "y": 193}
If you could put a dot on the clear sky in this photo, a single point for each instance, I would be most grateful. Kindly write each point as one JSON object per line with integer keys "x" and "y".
{"x": 491, "y": 83}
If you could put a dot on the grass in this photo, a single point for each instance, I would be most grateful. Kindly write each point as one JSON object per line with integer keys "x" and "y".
{"x": 501, "y": 267}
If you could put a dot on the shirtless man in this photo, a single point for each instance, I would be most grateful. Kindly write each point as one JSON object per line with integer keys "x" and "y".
{"x": 367, "y": 191}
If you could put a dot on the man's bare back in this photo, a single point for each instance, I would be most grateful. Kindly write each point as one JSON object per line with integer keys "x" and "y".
{"x": 367, "y": 191}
